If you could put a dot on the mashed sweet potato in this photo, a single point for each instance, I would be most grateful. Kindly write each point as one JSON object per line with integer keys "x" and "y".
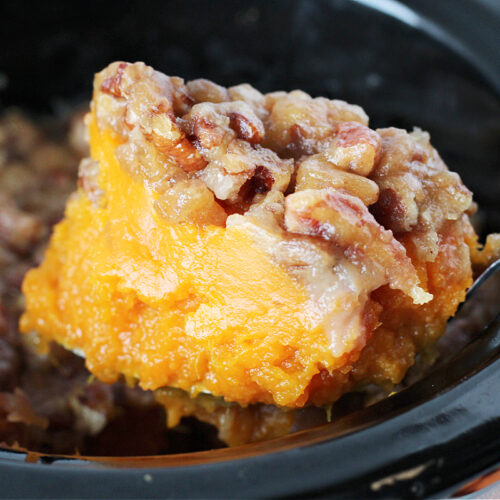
{"x": 260, "y": 248}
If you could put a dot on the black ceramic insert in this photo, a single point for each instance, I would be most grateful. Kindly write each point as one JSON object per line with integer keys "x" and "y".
{"x": 432, "y": 64}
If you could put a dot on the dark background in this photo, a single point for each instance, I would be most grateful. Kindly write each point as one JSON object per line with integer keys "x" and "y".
{"x": 402, "y": 75}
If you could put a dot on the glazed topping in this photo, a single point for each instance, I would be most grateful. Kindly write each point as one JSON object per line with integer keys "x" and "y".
{"x": 239, "y": 142}
{"x": 418, "y": 194}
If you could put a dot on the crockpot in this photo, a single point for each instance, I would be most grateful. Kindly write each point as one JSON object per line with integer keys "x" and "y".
{"x": 426, "y": 63}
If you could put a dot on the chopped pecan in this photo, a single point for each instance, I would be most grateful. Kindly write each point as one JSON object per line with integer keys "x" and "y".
{"x": 299, "y": 124}
{"x": 239, "y": 162}
{"x": 146, "y": 99}
{"x": 225, "y": 134}
{"x": 173, "y": 143}
{"x": 203, "y": 90}
{"x": 355, "y": 148}
{"x": 418, "y": 194}
{"x": 182, "y": 101}
{"x": 213, "y": 124}
{"x": 112, "y": 84}
{"x": 246, "y": 129}
{"x": 343, "y": 220}
{"x": 316, "y": 173}
{"x": 251, "y": 96}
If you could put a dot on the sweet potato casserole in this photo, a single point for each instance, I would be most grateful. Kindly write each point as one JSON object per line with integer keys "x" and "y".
{"x": 228, "y": 255}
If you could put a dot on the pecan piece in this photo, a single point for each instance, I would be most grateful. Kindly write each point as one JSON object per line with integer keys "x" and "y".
{"x": 343, "y": 220}
{"x": 316, "y": 173}
{"x": 112, "y": 84}
{"x": 246, "y": 129}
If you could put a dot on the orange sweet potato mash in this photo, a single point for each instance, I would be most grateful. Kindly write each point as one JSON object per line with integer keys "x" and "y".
{"x": 261, "y": 248}
{"x": 174, "y": 305}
